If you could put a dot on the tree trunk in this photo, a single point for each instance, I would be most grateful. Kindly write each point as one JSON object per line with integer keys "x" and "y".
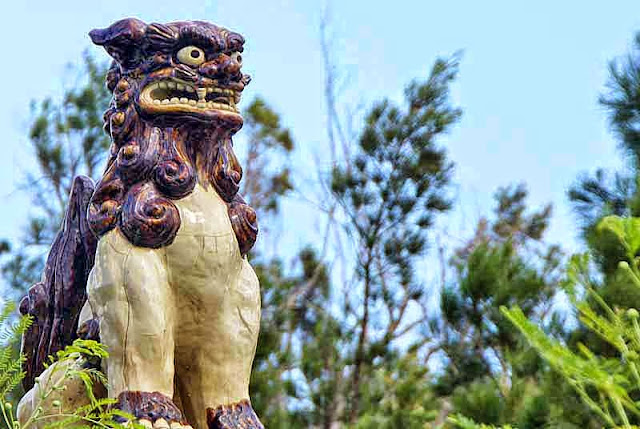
{"x": 359, "y": 358}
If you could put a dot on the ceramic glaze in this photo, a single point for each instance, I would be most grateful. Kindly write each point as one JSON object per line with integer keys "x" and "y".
{"x": 210, "y": 318}
{"x": 152, "y": 260}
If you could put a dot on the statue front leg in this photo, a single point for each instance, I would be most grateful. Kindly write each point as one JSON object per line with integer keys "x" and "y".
{"x": 130, "y": 295}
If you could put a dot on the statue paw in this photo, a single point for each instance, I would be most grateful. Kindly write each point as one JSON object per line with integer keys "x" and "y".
{"x": 152, "y": 410}
{"x": 233, "y": 416}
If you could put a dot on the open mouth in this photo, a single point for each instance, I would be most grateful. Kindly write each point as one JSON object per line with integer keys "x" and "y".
{"x": 171, "y": 95}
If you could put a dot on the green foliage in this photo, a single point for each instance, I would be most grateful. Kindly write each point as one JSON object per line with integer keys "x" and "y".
{"x": 266, "y": 179}
{"x": 299, "y": 377}
{"x": 297, "y": 332}
{"x": 505, "y": 263}
{"x": 606, "y": 193}
{"x": 480, "y": 399}
{"x": 607, "y": 384}
{"x": 398, "y": 395}
{"x": 622, "y": 99}
{"x": 269, "y": 145}
{"x": 615, "y": 193}
{"x": 463, "y": 422}
{"x": 11, "y": 373}
{"x": 97, "y": 414}
{"x": 389, "y": 192}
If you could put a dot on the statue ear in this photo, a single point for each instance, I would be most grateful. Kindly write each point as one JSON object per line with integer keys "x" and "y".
{"x": 122, "y": 40}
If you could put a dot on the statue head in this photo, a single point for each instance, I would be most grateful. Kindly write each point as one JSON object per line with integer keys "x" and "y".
{"x": 177, "y": 72}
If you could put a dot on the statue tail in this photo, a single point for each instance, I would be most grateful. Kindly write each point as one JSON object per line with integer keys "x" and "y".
{"x": 56, "y": 301}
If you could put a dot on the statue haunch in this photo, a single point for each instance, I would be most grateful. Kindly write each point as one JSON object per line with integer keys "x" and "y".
{"x": 152, "y": 260}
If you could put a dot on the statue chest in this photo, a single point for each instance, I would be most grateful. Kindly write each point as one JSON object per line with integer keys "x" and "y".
{"x": 211, "y": 280}
{"x": 204, "y": 256}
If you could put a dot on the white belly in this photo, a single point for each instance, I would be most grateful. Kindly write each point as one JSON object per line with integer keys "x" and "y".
{"x": 217, "y": 298}
{"x": 210, "y": 304}
{"x": 212, "y": 282}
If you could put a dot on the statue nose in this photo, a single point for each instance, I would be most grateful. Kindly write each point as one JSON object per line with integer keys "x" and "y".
{"x": 230, "y": 67}
{"x": 222, "y": 67}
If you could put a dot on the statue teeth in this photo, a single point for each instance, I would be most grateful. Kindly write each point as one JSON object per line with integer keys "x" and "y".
{"x": 190, "y": 89}
{"x": 180, "y": 86}
{"x": 192, "y": 102}
{"x": 156, "y": 101}
{"x": 162, "y": 84}
{"x": 175, "y": 100}
{"x": 171, "y": 85}
{"x": 165, "y": 101}
{"x": 184, "y": 100}
{"x": 202, "y": 104}
{"x": 202, "y": 93}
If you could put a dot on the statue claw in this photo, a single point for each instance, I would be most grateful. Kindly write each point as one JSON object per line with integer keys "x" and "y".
{"x": 152, "y": 410}
{"x": 233, "y": 416}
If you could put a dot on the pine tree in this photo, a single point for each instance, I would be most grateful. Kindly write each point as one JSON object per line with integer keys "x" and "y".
{"x": 390, "y": 192}
{"x": 606, "y": 291}
{"x": 490, "y": 375}
{"x": 607, "y": 383}
{"x": 267, "y": 173}
{"x": 307, "y": 355}
{"x": 616, "y": 193}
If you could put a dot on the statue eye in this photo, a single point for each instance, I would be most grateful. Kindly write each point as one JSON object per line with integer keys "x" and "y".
{"x": 237, "y": 57}
{"x": 191, "y": 55}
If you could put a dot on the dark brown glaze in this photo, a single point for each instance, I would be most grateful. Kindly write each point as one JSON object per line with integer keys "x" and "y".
{"x": 150, "y": 406}
{"x": 56, "y": 301}
{"x": 174, "y": 175}
{"x": 167, "y": 152}
{"x": 106, "y": 203}
{"x": 234, "y": 416}
{"x": 244, "y": 222}
{"x": 89, "y": 330}
{"x": 226, "y": 173}
{"x": 148, "y": 218}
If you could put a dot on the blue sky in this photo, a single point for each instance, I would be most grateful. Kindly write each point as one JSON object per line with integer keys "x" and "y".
{"x": 529, "y": 81}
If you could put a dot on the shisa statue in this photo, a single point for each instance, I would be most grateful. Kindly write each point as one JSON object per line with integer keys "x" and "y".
{"x": 152, "y": 260}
